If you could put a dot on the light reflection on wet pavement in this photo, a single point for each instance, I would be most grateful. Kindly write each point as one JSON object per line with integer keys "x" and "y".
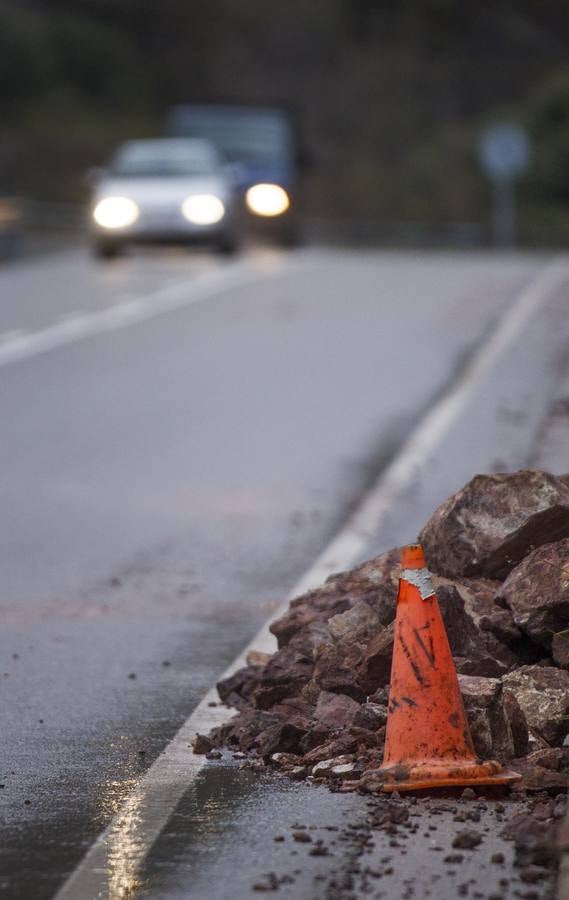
{"x": 223, "y": 834}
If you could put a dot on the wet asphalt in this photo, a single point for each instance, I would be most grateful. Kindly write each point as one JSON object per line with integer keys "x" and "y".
{"x": 307, "y": 842}
{"x": 164, "y": 486}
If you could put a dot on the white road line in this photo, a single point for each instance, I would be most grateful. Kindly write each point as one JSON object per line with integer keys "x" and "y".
{"x": 14, "y": 334}
{"x": 76, "y": 326}
{"x": 111, "y": 866}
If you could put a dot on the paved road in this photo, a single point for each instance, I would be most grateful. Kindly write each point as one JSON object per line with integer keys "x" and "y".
{"x": 168, "y": 471}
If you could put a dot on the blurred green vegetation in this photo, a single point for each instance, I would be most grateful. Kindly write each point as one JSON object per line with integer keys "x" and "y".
{"x": 392, "y": 97}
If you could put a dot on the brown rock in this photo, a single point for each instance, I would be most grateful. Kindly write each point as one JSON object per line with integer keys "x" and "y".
{"x": 485, "y": 667}
{"x": 481, "y": 653}
{"x": 380, "y": 696}
{"x": 305, "y": 610}
{"x": 479, "y": 598}
{"x": 325, "y": 766}
{"x": 237, "y": 690}
{"x": 302, "y": 837}
{"x": 336, "y": 711}
{"x": 518, "y": 723}
{"x": 317, "y": 736}
{"x": 537, "y": 593}
{"x": 257, "y": 658}
{"x": 534, "y": 840}
{"x": 250, "y": 725}
{"x": 372, "y": 781}
{"x": 310, "y": 692}
{"x": 560, "y": 648}
{"x": 336, "y": 668}
{"x": 467, "y": 840}
{"x": 310, "y": 639}
{"x": 201, "y": 744}
{"x": 284, "y": 676}
{"x": 543, "y": 695}
{"x": 340, "y": 746}
{"x": 553, "y": 758}
{"x": 213, "y": 754}
{"x": 371, "y": 716}
{"x": 500, "y": 623}
{"x": 374, "y": 582}
{"x": 365, "y": 738}
{"x": 360, "y": 623}
{"x": 281, "y": 737}
{"x": 284, "y": 760}
{"x": 488, "y": 526}
{"x": 295, "y": 710}
{"x": 375, "y": 668}
{"x": 387, "y": 813}
{"x": 489, "y": 725}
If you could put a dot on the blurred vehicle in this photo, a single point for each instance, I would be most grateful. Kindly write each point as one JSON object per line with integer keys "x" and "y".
{"x": 164, "y": 191}
{"x": 11, "y": 226}
{"x": 261, "y": 144}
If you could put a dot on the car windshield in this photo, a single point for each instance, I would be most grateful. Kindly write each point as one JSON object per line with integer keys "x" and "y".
{"x": 242, "y": 135}
{"x": 162, "y": 161}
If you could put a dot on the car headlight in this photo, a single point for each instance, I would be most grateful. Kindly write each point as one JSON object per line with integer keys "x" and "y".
{"x": 267, "y": 200}
{"x": 115, "y": 212}
{"x": 203, "y": 209}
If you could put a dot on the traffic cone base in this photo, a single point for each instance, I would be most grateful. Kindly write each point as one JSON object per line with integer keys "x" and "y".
{"x": 428, "y": 742}
{"x": 432, "y": 775}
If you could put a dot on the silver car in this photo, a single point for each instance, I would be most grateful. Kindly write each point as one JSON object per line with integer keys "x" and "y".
{"x": 165, "y": 190}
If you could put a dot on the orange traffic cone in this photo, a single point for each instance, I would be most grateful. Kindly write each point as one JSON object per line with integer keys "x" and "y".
{"x": 428, "y": 742}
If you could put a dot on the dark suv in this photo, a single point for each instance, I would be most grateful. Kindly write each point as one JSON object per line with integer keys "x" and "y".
{"x": 260, "y": 144}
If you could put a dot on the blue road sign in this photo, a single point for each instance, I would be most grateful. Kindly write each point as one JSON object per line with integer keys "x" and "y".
{"x": 504, "y": 151}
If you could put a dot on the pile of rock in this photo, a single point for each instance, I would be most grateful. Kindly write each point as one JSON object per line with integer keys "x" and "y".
{"x": 499, "y": 554}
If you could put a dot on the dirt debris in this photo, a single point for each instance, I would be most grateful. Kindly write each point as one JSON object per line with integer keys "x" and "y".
{"x": 322, "y": 697}
{"x": 317, "y": 708}
{"x": 202, "y": 744}
{"x": 467, "y": 840}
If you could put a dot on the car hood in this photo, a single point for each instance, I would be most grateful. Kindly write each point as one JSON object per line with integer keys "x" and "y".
{"x": 161, "y": 191}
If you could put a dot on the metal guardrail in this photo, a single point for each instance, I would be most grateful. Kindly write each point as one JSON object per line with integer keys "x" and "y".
{"x": 41, "y": 215}
{"x": 28, "y": 225}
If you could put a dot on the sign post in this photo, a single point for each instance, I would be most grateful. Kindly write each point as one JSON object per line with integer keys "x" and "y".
{"x": 504, "y": 151}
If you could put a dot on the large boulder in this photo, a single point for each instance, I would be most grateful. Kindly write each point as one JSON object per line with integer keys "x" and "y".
{"x": 537, "y": 593}
{"x": 486, "y": 528}
{"x": 489, "y": 724}
{"x": 543, "y": 694}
